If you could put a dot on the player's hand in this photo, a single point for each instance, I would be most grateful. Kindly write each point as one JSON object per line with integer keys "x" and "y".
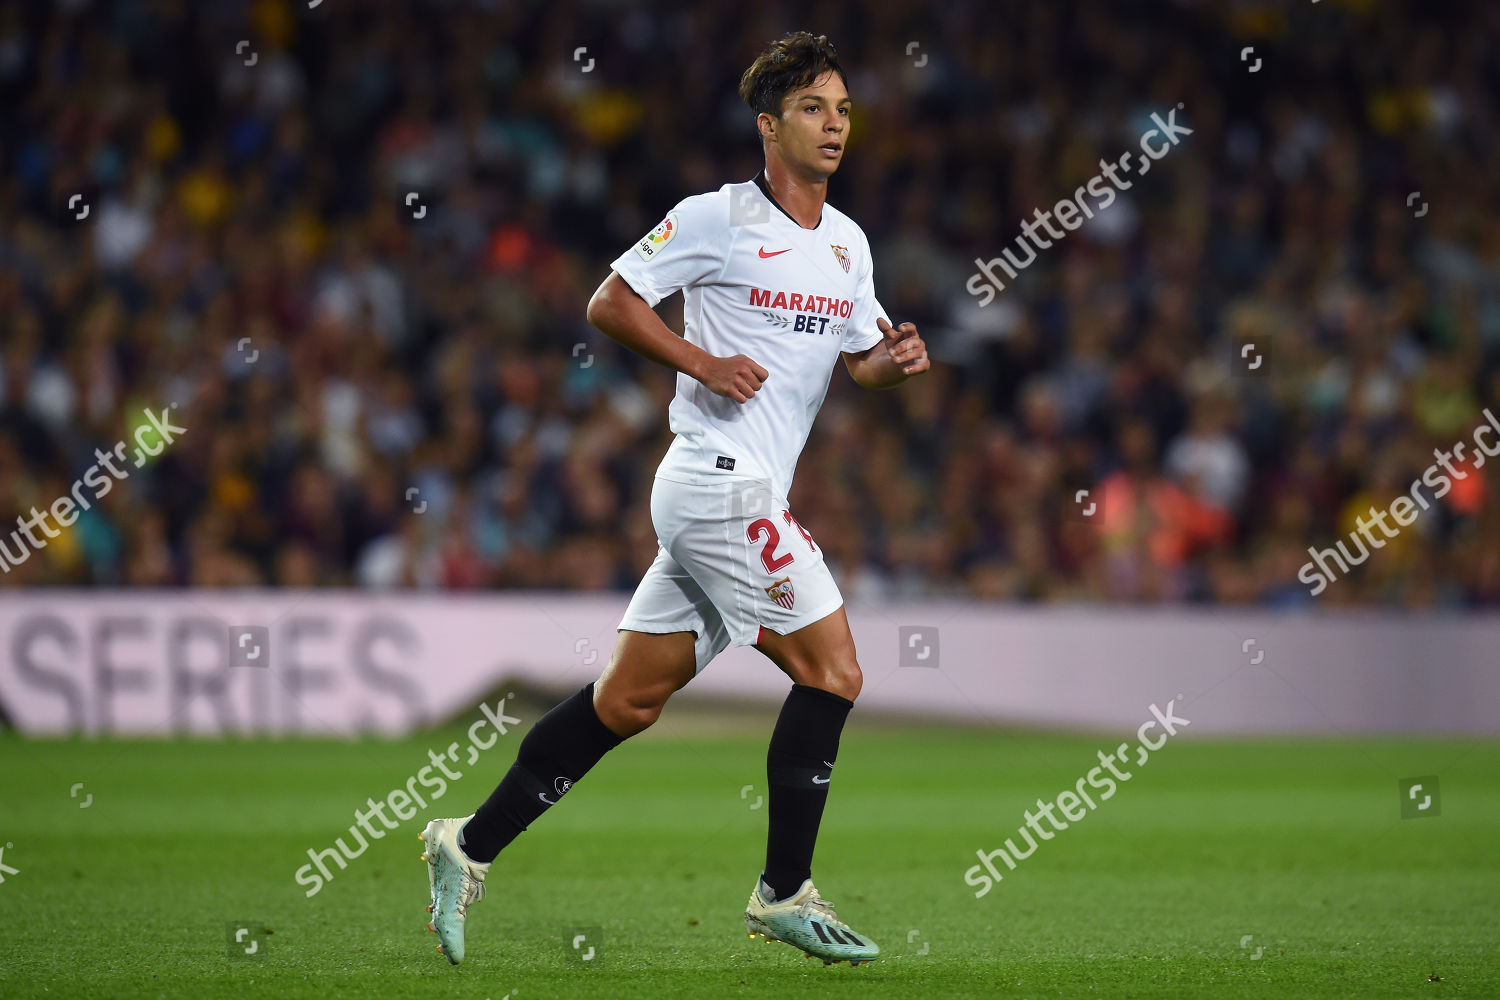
{"x": 737, "y": 377}
{"x": 904, "y": 346}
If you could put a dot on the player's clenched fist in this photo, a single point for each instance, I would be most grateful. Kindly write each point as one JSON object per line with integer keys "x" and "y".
{"x": 737, "y": 377}
{"x": 904, "y": 346}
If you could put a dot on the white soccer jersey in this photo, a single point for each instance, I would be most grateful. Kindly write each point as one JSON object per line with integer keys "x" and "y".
{"x": 755, "y": 283}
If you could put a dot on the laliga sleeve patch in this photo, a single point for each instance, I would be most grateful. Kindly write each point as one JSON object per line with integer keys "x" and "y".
{"x": 655, "y": 241}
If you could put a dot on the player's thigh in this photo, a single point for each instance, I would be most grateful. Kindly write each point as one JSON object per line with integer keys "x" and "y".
{"x": 669, "y": 631}
{"x": 819, "y": 654}
{"x": 668, "y": 599}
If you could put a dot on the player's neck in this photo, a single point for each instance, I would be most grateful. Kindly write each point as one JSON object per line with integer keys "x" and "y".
{"x": 800, "y": 198}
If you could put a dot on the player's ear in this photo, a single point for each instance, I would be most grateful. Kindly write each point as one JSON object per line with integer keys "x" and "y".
{"x": 766, "y": 123}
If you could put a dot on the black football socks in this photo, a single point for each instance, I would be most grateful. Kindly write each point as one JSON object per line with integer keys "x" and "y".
{"x": 558, "y": 751}
{"x": 799, "y": 766}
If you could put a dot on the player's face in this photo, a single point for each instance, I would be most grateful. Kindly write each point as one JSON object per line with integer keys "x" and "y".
{"x": 814, "y": 126}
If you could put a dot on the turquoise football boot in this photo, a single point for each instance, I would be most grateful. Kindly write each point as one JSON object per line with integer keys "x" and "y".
{"x": 807, "y": 921}
{"x": 454, "y": 881}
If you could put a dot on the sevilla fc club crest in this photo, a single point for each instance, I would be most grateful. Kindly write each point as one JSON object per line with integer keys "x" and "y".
{"x": 842, "y": 253}
{"x": 781, "y": 592}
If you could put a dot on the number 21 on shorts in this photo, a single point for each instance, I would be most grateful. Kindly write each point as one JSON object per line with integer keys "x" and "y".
{"x": 764, "y": 527}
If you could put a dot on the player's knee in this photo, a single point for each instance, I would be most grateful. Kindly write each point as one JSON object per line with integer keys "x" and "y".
{"x": 627, "y": 713}
{"x": 848, "y": 677}
{"x": 643, "y": 710}
{"x": 838, "y": 674}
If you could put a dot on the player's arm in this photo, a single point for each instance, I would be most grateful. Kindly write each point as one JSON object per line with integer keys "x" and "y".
{"x": 618, "y": 311}
{"x": 900, "y": 354}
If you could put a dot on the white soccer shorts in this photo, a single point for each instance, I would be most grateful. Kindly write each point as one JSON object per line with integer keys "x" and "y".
{"x": 731, "y": 559}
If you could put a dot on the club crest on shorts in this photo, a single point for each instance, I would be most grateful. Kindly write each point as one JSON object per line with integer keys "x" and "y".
{"x": 842, "y": 253}
{"x": 781, "y": 592}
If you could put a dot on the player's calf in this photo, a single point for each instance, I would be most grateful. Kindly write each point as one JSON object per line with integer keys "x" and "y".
{"x": 799, "y": 769}
{"x": 562, "y": 747}
{"x": 558, "y": 751}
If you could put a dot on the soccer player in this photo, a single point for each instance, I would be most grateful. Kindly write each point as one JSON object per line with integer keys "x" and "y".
{"x": 776, "y": 285}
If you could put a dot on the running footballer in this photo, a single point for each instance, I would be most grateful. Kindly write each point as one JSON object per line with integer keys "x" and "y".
{"x": 777, "y": 285}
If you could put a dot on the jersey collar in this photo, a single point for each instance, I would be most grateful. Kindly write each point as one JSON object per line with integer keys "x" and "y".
{"x": 760, "y": 182}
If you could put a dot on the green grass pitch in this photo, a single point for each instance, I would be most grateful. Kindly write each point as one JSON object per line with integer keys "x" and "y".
{"x": 1222, "y": 869}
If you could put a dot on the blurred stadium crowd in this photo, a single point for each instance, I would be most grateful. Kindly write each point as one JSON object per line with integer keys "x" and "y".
{"x": 387, "y": 390}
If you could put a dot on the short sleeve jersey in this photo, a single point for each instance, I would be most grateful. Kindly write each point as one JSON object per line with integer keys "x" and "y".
{"x": 756, "y": 283}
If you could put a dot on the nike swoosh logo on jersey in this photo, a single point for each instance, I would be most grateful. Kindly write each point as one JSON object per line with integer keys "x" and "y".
{"x": 823, "y": 781}
{"x": 773, "y": 253}
{"x": 544, "y": 798}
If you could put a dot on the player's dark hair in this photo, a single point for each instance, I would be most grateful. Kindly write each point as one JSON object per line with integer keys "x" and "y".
{"x": 795, "y": 60}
